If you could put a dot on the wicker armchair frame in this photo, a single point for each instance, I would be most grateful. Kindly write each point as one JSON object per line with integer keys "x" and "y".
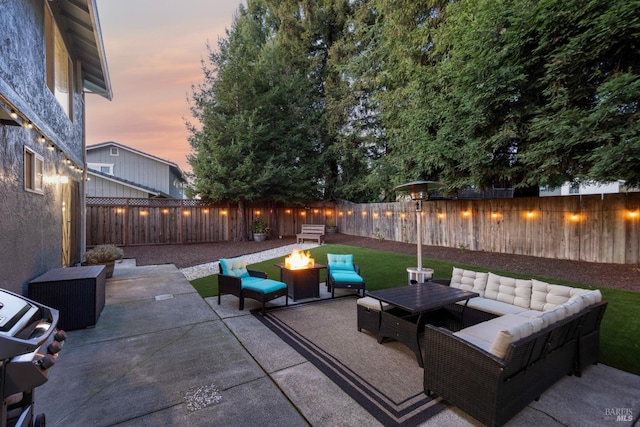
{"x": 233, "y": 285}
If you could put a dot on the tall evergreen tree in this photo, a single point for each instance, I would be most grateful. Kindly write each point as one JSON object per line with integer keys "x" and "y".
{"x": 253, "y": 143}
{"x": 347, "y": 98}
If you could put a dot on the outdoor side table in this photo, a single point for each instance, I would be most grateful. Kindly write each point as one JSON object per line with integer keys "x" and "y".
{"x": 78, "y": 293}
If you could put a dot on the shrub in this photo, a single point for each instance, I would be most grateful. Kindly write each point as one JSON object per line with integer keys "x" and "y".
{"x": 102, "y": 254}
{"x": 259, "y": 226}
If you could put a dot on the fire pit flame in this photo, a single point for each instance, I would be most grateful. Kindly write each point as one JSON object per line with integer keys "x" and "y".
{"x": 298, "y": 260}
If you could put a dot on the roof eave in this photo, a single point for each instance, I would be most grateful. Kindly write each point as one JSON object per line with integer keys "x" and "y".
{"x": 107, "y": 91}
{"x": 82, "y": 24}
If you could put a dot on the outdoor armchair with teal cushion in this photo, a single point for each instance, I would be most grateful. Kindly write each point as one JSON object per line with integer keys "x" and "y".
{"x": 235, "y": 279}
{"x": 343, "y": 273}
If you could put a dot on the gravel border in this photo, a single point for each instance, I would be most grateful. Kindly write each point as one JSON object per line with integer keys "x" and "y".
{"x": 203, "y": 270}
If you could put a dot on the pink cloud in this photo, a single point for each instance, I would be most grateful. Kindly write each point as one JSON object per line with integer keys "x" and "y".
{"x": 154, "y": 52}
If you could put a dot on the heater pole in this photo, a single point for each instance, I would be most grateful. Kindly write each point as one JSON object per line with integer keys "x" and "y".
{"x": 419, "y": 191}
{"x": 419, "y": 231}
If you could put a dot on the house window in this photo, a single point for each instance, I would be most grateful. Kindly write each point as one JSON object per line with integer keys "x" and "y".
{"x": 59, "y": 65}
{"x": 114, "y": 151}
{"x": 33, "y": 172}
{"x": 574, "y": 189}
{"x": 102, "y": 167}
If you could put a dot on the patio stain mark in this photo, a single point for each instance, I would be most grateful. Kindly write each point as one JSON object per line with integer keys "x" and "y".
{"x": 200, "y": 397}
{"x": 163, "y": 297}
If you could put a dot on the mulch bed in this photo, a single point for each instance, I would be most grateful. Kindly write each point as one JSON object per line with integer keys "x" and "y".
{"x": 617, "y": 276}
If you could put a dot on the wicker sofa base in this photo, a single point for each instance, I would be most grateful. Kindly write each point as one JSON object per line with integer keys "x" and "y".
{"x": 492, "y": 389}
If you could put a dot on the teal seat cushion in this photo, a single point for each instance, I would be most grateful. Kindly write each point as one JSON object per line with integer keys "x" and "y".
{"x": 346, "y": 276}
{"x": 340, "y": 262}
{"x": 236, "y": 267}
{"x": 262, "y": 285}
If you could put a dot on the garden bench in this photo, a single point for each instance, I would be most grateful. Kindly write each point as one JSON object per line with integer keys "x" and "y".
{"x": 311, "y": 231}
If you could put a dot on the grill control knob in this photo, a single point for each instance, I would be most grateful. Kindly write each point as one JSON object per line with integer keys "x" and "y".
{"x": 54, "y": 347}
{"x": 47, "y": 361}
{"x": 60, "y": 335}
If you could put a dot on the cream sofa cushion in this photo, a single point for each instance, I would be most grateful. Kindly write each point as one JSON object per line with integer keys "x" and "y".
{"x": 483, "y": 334}
{"x": 372, "y": 303}
{"x": 469, "y": 280}
{"x": 498, "y": 308}
{"x": 548, "y": 317}
{"x": 554, "y": 315}
{"x": 590, "y": 297}
{"x": 574, "y": 305}
{"x": 545, "y": 296}
{"x": 497, "y": 334}
{"x": 509, "y": 290}
{"x": 512, "y": 333}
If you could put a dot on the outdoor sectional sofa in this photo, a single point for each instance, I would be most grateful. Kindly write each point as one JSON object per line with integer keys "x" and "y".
{"x": 518, "y": 338}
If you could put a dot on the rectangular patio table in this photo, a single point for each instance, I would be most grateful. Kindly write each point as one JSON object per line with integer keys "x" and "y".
{"x": 415, "y": 301}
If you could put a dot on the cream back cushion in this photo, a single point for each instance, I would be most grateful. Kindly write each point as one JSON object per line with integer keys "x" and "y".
{"x": 548, "y": 317}
{"x": 554, "y": 315}
{"x": 513, "y": 333}
{"x": 545, "y": 296}
{"x": 469, "y": 280}
{"x": 591, "y": 297}
{"x": 507, "y": 289}
{"x": 574, "y": 305}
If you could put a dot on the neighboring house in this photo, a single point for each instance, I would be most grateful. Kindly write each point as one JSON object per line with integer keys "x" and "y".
{"x": 116, "y": 170}
{"x": 51, "y": 55}
{"x": 569, "y": 189}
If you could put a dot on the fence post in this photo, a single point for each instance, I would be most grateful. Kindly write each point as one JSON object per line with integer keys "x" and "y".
{"x": 181, "y": 221}
{"x": 127, "y": 231}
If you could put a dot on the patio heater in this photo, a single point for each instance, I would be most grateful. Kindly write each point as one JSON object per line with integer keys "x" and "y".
{"x": 419, "y": 191}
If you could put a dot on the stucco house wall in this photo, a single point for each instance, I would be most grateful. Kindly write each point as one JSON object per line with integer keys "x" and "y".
{"x": 39, "y": 230}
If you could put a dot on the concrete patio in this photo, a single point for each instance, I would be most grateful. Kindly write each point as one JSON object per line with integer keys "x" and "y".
{"x": 161, "y": 355}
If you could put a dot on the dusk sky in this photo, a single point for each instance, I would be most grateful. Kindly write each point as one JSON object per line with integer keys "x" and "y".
{"x": 154, "y": 51}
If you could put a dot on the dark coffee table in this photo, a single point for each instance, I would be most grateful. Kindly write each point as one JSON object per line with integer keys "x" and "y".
{"x": 413, "y": 303}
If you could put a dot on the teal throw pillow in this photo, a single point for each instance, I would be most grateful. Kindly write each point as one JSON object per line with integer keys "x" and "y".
{"x": 236, "y": 267}
{"x": 340, "y": 262}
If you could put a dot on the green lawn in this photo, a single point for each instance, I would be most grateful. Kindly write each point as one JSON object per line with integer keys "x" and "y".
{"x": 620, "y": 331}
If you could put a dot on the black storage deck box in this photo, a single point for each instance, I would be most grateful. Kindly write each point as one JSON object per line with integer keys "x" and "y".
{"x": 77, "y": 292}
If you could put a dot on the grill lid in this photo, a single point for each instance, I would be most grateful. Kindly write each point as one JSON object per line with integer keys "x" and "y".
{"x": 12, "y": 310}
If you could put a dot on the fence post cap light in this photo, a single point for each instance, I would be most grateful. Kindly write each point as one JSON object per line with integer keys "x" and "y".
{"x": 419, "y": 190}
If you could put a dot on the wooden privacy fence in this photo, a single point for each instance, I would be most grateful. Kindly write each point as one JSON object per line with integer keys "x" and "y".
{"x": 590, "y": 228}
{"x": 131, "y": 221}
{"x": 594, "y": 228}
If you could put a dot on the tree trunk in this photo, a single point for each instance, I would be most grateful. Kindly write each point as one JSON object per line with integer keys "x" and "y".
{"x": 242, "y": 221}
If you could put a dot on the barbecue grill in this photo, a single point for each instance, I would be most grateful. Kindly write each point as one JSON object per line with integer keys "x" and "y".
{"x": 29, "y": 345}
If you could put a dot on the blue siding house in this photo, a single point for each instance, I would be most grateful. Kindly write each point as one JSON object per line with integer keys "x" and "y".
{"x": 116, "y": 170}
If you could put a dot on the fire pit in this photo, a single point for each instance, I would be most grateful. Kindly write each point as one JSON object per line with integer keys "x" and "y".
{"x": 299, "y": 259}
{"x": 301, "y": 275}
